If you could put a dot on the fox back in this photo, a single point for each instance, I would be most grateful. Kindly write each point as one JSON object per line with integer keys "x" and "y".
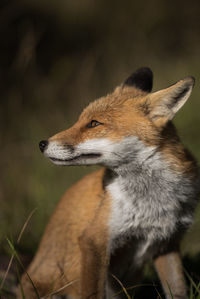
{"x": 137, "y": 207}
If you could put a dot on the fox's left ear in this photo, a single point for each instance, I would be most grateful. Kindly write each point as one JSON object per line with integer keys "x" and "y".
{"x": 141, "y": 79}
{"x": 163, "y": 104}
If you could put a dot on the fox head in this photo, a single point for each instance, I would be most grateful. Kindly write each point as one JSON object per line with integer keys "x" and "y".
{"x": 126, "y": 124}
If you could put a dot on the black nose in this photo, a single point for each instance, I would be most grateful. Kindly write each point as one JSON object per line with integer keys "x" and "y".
{"x": 42, "y": 145}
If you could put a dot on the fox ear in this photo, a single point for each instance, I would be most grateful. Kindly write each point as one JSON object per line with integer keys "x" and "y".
{"x": 141, "y": 79}
{"x": 164, "y": 104}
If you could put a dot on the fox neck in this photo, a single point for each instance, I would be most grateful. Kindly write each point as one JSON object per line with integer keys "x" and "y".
{"x": 136, "y": 177}
{"x": 141, "y": 163}
{"x": 149, "y": 200}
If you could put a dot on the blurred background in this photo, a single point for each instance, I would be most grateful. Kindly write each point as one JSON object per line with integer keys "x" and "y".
{"x": 56, "y": 57}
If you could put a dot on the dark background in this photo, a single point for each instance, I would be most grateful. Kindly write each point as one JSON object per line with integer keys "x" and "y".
{"x": 57, "y": 56}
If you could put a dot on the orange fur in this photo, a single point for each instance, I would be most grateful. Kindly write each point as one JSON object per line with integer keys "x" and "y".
{"x": 57, "y": 264}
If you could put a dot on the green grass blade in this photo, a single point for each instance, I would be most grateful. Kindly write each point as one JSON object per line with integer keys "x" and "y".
{"x": 19, "y": 261}
{"x": 21, "y": 287}
{"x": 197, "y": 290}
{"x": 18, "y": 240}
{"x": 122, "y": 286}
{"x": 159, "y": 296}
{"x": 170, "y": 291}
{"x": 191, "y": 292}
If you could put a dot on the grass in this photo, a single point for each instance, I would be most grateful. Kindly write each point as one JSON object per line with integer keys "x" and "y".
{"x": 194, "y": 287}
{"x": 140, "y": 290}
{"x": 14, "y": 254}
{"x": 6, "y": 285}
{"x": 12, "y": 247}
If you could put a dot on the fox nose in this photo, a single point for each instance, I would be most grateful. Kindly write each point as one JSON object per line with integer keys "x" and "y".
{"x": 42, "y": 145}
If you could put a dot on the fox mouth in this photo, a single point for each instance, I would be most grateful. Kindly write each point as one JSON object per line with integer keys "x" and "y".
{"x": 84, "y": 156}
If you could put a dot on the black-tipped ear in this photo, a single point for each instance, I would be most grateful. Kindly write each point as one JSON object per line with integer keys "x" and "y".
{"x": 165, "y": 103}
{"x": 141, "y": 79}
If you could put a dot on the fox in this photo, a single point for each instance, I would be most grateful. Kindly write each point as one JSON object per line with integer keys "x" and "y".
{"x": 135, "y": 208}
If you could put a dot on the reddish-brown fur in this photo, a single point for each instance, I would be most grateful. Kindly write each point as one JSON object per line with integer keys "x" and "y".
{"x": 58, "y": 259}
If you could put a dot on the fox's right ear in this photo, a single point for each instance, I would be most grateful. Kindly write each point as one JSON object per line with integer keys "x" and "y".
{"x": 165, "y": 103}
{"x": 142, "y": 80}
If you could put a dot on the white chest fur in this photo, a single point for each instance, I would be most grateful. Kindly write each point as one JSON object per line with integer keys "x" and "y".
{"x": 148, "y": 204}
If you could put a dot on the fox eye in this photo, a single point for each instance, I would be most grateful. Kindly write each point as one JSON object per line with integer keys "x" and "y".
{"x": 93, "y": 124}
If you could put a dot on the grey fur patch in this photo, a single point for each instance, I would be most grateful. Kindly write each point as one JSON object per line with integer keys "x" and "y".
{"x": 150, "y": 202}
